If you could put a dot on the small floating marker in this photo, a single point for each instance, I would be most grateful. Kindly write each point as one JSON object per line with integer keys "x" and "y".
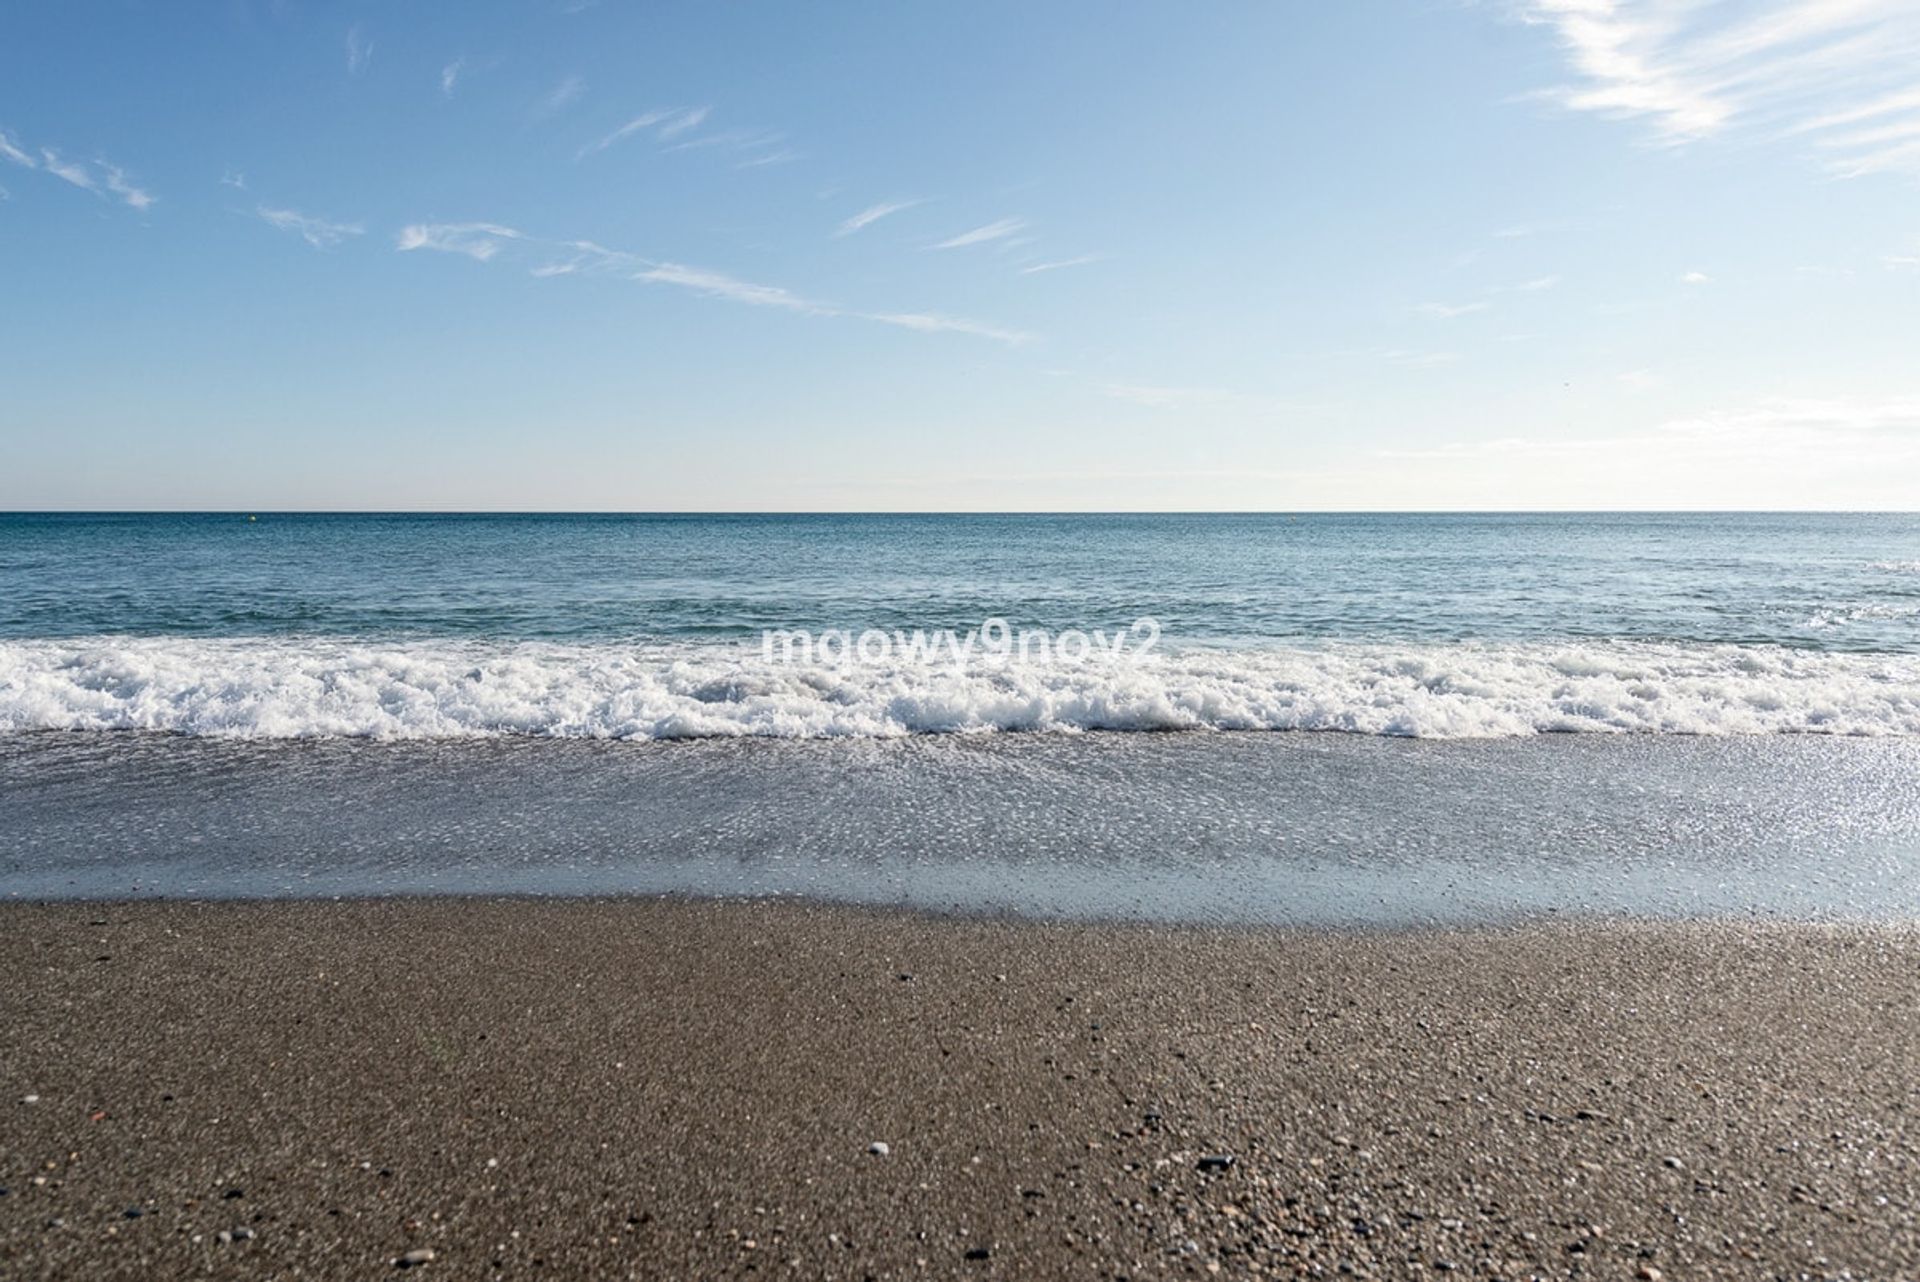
{"x": 252, "y": 518}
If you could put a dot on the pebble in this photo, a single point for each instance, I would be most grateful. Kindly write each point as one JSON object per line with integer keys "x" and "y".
{"x": 1215, "y": 1162}
{"x": 413, "y": 1258}
{"x": 29, "y": 1099}
{"x": 1674, "y": 1164}
{"x": 878, "y": 1149}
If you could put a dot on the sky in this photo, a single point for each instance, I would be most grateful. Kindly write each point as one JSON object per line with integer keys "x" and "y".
{"x": 580, "y": 255}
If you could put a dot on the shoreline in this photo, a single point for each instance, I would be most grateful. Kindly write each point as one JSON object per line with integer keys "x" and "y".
{"x": 1282, "y": 830}
{"x": 673, "y": 1087}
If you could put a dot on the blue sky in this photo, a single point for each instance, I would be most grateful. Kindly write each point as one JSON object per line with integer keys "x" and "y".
{"x": 572, "y": 255}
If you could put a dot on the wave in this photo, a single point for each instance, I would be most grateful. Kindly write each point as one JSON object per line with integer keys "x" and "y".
{"x": 287, "y": 688}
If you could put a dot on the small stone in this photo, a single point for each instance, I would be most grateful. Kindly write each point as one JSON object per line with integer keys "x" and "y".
{"x": 1215, "y": 1162}
{"x": 413, "y": 1259}
{"x": 243, "y": 1234}
{"x": 29, "y": 1099}
{"x": 979, "y": 1253}
{"x": 878, "y": 1149}
{"x": 1647, "y": 1273}
{"x": 133, "y": 1213}
{"x": 1673, "y": 1164}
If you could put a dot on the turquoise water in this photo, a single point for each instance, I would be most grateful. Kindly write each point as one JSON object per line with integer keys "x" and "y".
{"x": 1822, "y": 582}
{"x": 651, "y": 627}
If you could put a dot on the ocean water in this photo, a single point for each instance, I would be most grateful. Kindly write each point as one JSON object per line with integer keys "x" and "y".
{"x": 1697, "y": 715}
{"x": 278, "y": 626}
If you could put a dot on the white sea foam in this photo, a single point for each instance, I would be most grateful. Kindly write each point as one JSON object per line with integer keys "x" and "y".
{"x": 283, "y": 688}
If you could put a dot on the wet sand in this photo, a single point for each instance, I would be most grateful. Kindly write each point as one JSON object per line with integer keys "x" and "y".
{"x": 655, "y": 1088}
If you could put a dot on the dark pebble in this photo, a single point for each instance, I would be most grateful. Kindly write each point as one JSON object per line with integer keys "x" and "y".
{"x": 1215, "y": 1162}
{"x": 979, "y": 1253}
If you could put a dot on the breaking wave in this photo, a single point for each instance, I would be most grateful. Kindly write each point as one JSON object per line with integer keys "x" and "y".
{"x": 285, "y": 688}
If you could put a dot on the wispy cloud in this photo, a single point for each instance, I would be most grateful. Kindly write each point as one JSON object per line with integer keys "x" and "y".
{"x": 732, "y": 140}
{"x": 1534, "y": 286}
{"x": 1695, "y": 278}
{"x": 1902, "y": 261}
{"x": 721, "y": 285}
{"x": 665, "y": 123}
{"x": 11, "y": 150}
{"x": 560, "y": 97}
{"x": 1842, "y": 74}
{"x": 873, "y": 214}
{"x": 784, "y": 156}
{"x": 359, "y": 50}
{"x": 109, "y": 180}
{"x": 118, "y": 183}
{"x": 688, "y": 119}
{"x": 985, "y": 235}
{"x": 1449, "y": 311}
{"x": 450, "y": 75}
{"x": 479, "y": 241}
{"x": 1059, "y": 263}
{"x": 235, "y": 179}
{"x": 484, "y": 241}
{"x": 67, "y": 170}
{"x": 935, "y": 323}
{"x": 318, "y": 232}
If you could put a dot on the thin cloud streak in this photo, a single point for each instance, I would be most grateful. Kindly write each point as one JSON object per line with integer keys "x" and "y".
{"x": 1059, "y": 264}
{"x": 935, "y": 323}
{"x": 111, "y": 180}
{"x": 873, "y": 214}
{"x": 689, "y": 119}
{"x": 560, "y": 97}
{"x": 318, "y": 232}
{"x": 10, "y": 150}
{"x": 720, "y": 285}
{"x": 485, "y": 241}
{"x": 478, "y": 241}
{"x": 785, "y": 156}
{"x": 1000, "y": 230}
{"x": 119, "y": 185}
{"x": 66, "y": 170}
{"x": 666, "y": 123}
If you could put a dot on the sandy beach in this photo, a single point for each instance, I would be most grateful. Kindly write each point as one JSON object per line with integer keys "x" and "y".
{"x": 660, "y": 1088}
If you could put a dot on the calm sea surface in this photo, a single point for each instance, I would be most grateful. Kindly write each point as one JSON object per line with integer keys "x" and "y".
{"x": 1822, "y": 582}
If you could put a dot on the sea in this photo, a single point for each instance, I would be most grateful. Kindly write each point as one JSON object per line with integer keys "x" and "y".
{"x": 1276, "y": 718}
